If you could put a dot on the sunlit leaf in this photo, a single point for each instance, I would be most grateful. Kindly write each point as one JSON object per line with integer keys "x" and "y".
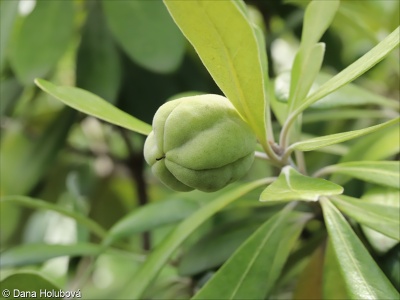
{"x": 385, "y": 173}
{"x": 291, "y": 185}
{"x": 252, "y": 270}
{"x": 355, "y": 70}
{"x": 364, "y": 279}
{"x": 323, "y": 141}
{"x": 226, "y": 43}
{"x": 91, "y": 104}
{"x": 146, "y": 32}
{"x": 382, "y": 218}
{"x": 160, "y": 255}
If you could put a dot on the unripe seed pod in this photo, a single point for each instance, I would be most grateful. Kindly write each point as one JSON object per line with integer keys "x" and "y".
{"x": 199, "y": 142}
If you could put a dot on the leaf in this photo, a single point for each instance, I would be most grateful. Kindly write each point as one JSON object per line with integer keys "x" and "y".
{"x": 383, "y": 196}
{"x": 215, "y": 248}
{"x": 377, "y": 146}
{"x": 291, "y": 185}
{"x": 29, "y": 285}
{"x": 333, "y": 284}
{"x": 146, "y": 33}
{"x": 385, "y": 173}
{"x": 342, "y": 114}
{"x": 8, "y": 13}
{"x": 29, "y": 160}
{"x": 40, "y": 204}
{"x": 91, "y": 104}
{"x": 29, "y": 254}
{"x": 364, "y": 279}
{"x": 252, "y": 270}
{"x": 98, "y": 67}
{"x": 42, "y": 39}
{"x": 10, "y": 91}
{"x": 157, "y": 259}
{"x": 309, "y": 284}
{"x": 227, "y": 45}
{"x": 323, "y": 141}
{"x": 142, "y": 219}
{"x": 306, "y": 66}
{"x": 356, "y": 69}
{"x": 382, "y": 218}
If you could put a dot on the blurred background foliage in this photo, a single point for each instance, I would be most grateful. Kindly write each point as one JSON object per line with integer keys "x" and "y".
{"x": 132, "y": 54}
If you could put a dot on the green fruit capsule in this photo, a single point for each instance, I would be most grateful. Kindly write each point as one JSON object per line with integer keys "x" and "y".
{"x": 199, "y": 142}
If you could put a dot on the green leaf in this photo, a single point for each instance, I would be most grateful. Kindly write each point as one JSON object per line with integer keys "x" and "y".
{"x": 317, "y": 18}
{"x": 42, "y": 39}
{"x": 291, "y": 185}
{"x": 306, "y": 66}
{"x": 10, "y": 90}
{"x": 142, "y": 219}
{"x": 28, "y": 254}
{"x": 98, "y": 67}
{"x": 333, "y": 284}
{"x": 382, "y": 196}
{"x": 364, "y": 279}
{"x": 215, "y": 248}
{"x": 353, "y": 71}
{"x": 40, "y": 204}
{"x": 91, "y": 104}
{"x": 309, "y": 284}
{"x": 253, "y": 269}
{"x": 29, "y": 285}
{"x": 157, "y": 259}
{"x": 382, "y": 218}
{"x": 342, "y": 114}
{"x": 227, "y": 45}
{"x": 146, "y": 33}
{"x": 8, "y": 13}
{"x": 323, "y": 141}
{"x": 377, "y": 146}
{"x": 29, "y": 160}
{"x": 385, "y": 173}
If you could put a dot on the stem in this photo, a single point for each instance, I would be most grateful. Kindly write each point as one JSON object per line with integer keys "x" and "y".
{"x": 324, "y": 171}
{"x": 301, "y": 162}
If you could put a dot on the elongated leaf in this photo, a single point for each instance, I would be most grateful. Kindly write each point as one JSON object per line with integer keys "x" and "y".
{"x": 20, "y": 283}
{"x": 215, "y": 248}
{"x": 226, "y": 43}
{"x": 156, "y": 260}
{"x": 142, "y": 219}
{"x": 333, "y": 284}
{"x": 309, "y": 285}
{"x": 42, "y": 39}
{"x": 28, "y": 161}
{"x": 363, "y": 277}
{"x": 353, "y": 71}
{"x": 324, "y": 141}
{"x": 385, "y": 173}
{"x": 382, "y": 218}
{"x": 317, "y": 18}
{"x": 306, "y": 66}
{"x": 342, "y": 114}
{"x": 37, "y": 253}
{"x": 291, "y": 185}
{"x": 252, "y": 270}
{"x": 91, "y": 104}
{"x": 8, "y": 12}
{"x": 383, "y": 196}
{"x": 40, "y": 204}
{"x": 98, "y": 67}
{"x": 146, "y": 32}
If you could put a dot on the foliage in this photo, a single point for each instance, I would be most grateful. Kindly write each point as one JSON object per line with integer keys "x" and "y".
{"x": 316, "y": 217}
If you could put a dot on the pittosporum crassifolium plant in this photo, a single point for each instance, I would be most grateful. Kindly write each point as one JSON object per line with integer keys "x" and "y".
{"x": 271, "y": 176}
